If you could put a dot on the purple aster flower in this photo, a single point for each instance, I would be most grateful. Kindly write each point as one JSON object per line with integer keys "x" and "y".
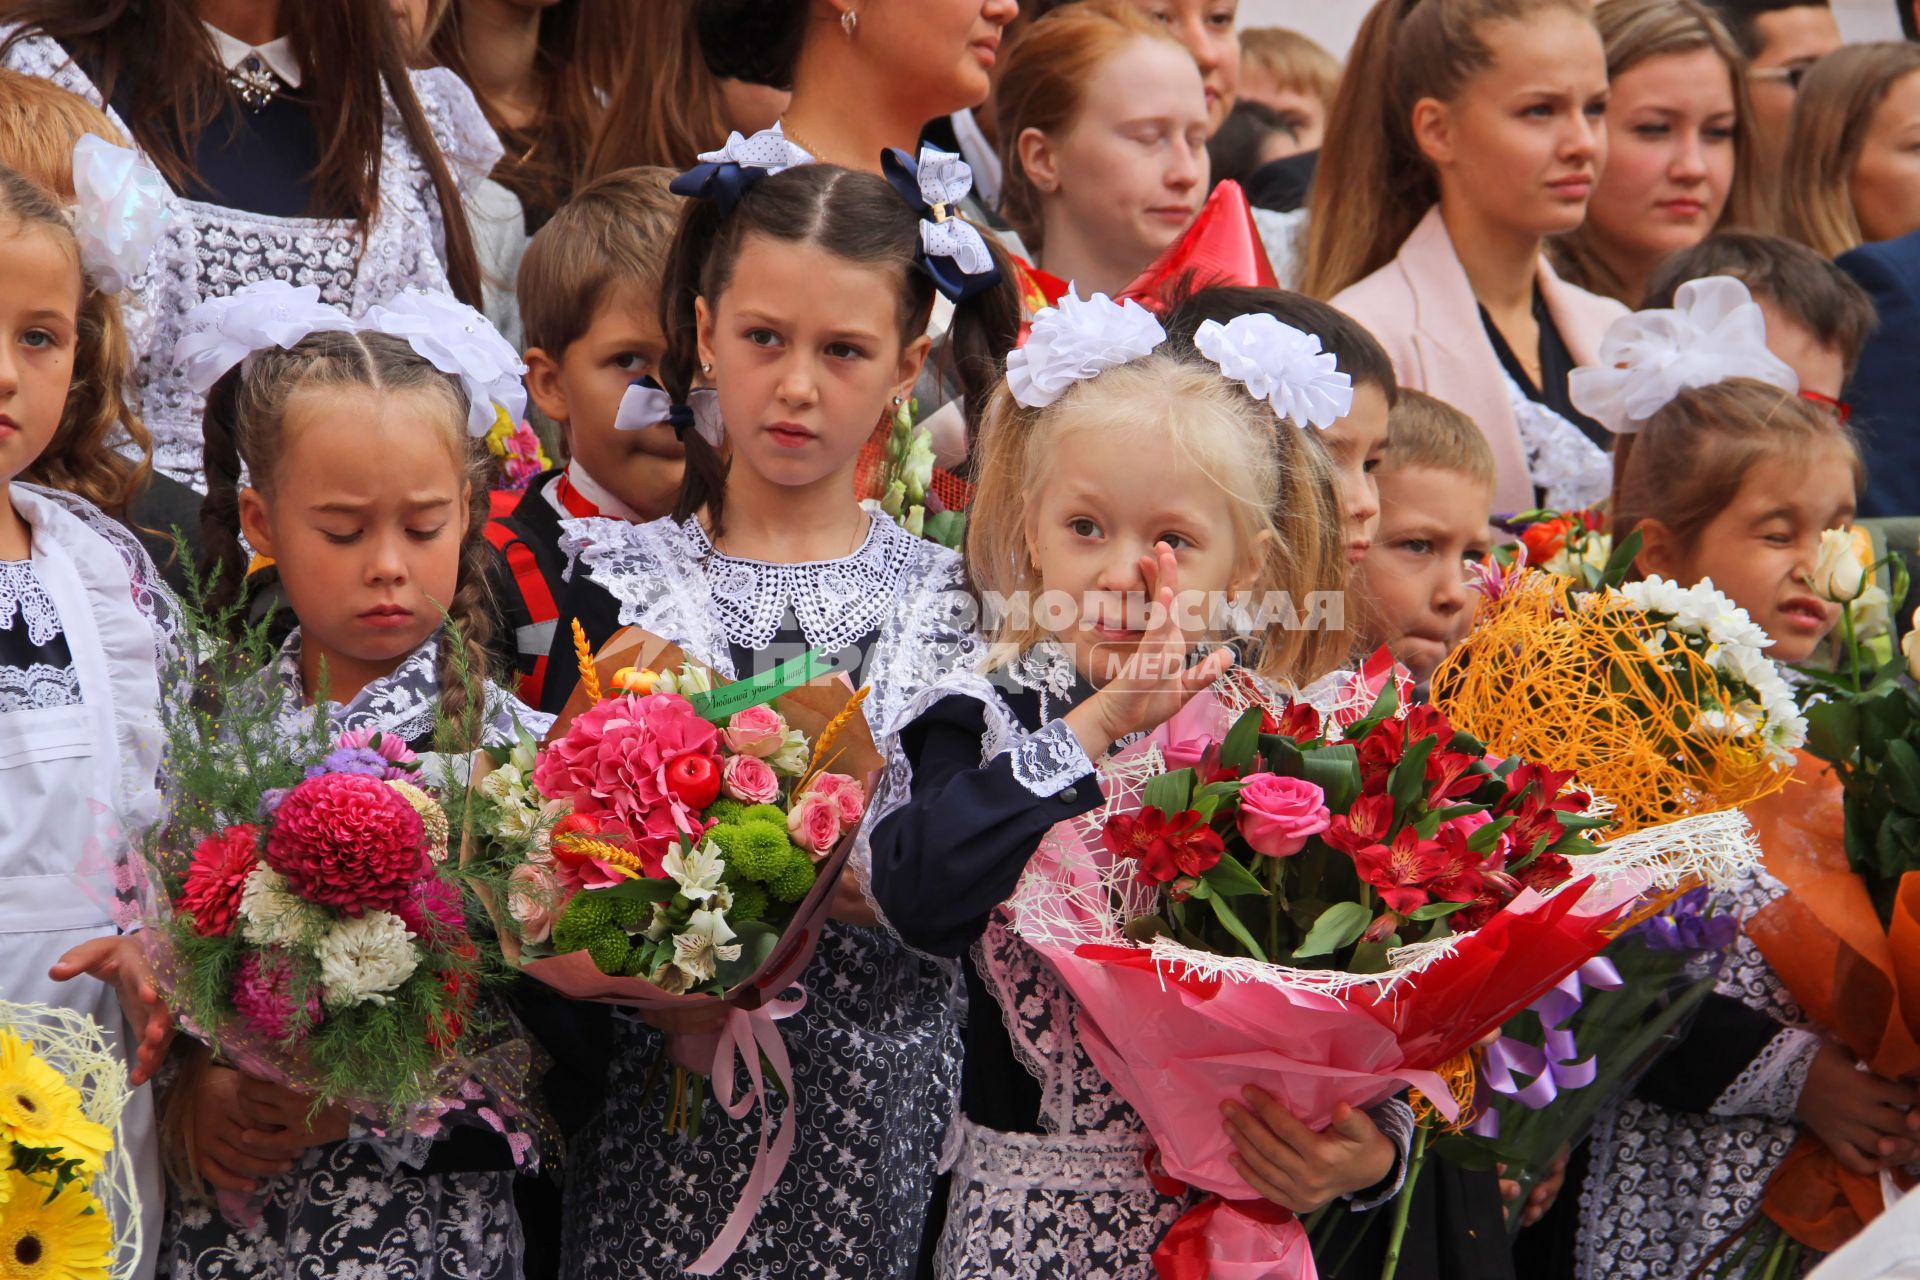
{"x": 364, "y": 761}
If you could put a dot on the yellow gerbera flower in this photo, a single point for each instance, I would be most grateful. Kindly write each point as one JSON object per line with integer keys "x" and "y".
{"x": 39, "y": 1109}
{"x": 66, "y": 1238}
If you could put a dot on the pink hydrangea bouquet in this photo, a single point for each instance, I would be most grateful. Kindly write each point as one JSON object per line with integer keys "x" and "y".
{"x": 675, "y": 844}
{"x": 323, "y": 942}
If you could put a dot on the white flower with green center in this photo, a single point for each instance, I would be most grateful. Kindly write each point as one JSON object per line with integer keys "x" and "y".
{"x": 706, "y": 940}
{"x": 696, "y": 871}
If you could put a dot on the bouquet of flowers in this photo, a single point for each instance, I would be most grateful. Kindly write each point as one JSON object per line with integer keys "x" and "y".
{"x": 1575, "y": 545}
{"x": 675, "y": 844}
{"x": 1660, "y": 697}
{"x": 516, "y": 448}
{"x": 303, "y": 917}
{"x": 1332, "y": 912}
{"x": 901, "y": 483}
{"x": 69, "y": 1206}
{"x": 1845, "y": 936}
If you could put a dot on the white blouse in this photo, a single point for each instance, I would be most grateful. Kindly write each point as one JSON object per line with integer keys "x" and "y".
{"x": 210, "y": 250}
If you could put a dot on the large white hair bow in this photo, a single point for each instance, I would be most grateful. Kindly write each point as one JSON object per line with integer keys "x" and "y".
{"x": 221, "y": 332}
{"x": 458, "y": 340}
{"x": 120, "y": 209}
{"x": 1280, "y": 364}
{"x": 1714, "y": 331}
{"x": 1078, "y": 339}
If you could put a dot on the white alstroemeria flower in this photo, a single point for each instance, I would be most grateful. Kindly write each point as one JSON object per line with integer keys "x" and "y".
{"x": 696, "y": 871}
{"x": 706, "y": 940}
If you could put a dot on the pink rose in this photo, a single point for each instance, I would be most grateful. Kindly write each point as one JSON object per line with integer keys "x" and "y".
{"x": 534, "y": 900}
{"x": 848, "y": 796}
{"x": 814, "y": 824}
{"x": 750, "y": 780}
{"x": 757, "y": 731}
{"x": 1278, "y": 814}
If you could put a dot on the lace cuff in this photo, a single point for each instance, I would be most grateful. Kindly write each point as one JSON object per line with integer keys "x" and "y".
{"x": 1395, "y": 1119}
{"x": 1049, "y": 760}
{"x": 1771, "y": 1084}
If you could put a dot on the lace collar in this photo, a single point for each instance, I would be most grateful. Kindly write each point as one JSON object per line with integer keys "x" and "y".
{"x": 837, "y": 603}
{"x": 23, "y": 595}
{"x": 1573, "y": 471}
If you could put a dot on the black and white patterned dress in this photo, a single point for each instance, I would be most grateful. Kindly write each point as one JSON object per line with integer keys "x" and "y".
{"x": 876, "y": 1051}
{"x": 1049, "y": 1172}
{"x": 1666, "y": 1186}
{"x": 401, "y": 1207}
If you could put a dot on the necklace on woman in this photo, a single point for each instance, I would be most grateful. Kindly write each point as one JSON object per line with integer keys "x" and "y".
{"x": 787, "y": 131}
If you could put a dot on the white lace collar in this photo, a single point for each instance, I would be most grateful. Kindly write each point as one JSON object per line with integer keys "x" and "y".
{"x": 277, "y": 54}
{"x": 400, "y": 703}
{"x": 23, "y": 595}
{"x": 1562, "y": 460}
{"x": 836, "y": 602}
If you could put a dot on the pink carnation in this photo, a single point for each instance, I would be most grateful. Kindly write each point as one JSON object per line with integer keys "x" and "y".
{"x": 263, "y": 997}
{"x": 757, "y": 731}
{"x": 221, "y": 865}
{"x": 434, "y": 911}
{"x": 613, "y": 761}
{"x": 848, "y": 796}
{"x": 348, "y": 842}
{"x": 750, "y": 780}
{"x": 1278, "y": 814}
{"x": 814, "y": 824}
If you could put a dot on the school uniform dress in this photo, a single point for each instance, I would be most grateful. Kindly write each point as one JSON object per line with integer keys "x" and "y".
{"x": 1049, "y": 1178}
{"x": 89, "y": 640}
{"x": 1422, "y": 309}
{"x": 250, "y": 217}
{"x": 876, "y": 1050}
{"x": 1678, "y": 1168}
{"x": 370, "y": 1205}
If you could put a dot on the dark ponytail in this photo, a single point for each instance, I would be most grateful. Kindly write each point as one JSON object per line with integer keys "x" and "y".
{"x": 223, "y": 558}
{"x": 855, "y": 216}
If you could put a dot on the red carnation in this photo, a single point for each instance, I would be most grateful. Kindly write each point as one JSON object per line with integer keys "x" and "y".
{"x": 221, "y": 865}
{"x": 1165, "y": 847}
{"x": 348, "y": 842}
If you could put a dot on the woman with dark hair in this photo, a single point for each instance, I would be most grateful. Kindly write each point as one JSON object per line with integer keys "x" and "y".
{"x": 866, "y": 74}
{"x": 668, "y": 105}
{"x": 528, "y": 65}
{"x": 297, "y": 145}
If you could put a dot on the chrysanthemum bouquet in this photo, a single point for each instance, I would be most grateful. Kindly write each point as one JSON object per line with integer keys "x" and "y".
{"x": 69, "y": 1207}
{"x": 322, "y": 941}
{"x": 1332, "y": 910}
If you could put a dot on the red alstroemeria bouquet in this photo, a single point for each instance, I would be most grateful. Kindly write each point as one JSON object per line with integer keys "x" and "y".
{"x": 1331, "y": 911}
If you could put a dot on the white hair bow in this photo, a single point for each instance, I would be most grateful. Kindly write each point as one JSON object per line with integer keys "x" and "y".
{"x": 457, "y": 340}
{"x": 120, "y": 210}
{"x": 1280, "y": 364}
{"x": 723, "y": 176}
{"x": 222, "y": 332}
{"x": 1075, "y": 340}
{"x": 647, "y": 404}
{"x": 952, "y": 249}
{"x": 1715, "y": 331}
{"x": 447, "y": 333}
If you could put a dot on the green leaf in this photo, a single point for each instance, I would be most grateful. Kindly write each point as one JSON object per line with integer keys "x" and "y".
{"x": 1233, "y": 925}
{"x": 1466, "y": 744}
{"x": 1621, "y": 561}
{"x": 1340, "y": 925}
{"x": 1336, "y": 771}
{"x": 1232, "y": 880}
{"x": 757, "y": 941}
{"x": 1242, "y": 744}
{"x": 1169, "y": 792}
{"x": 1407, "y": 783}
{"x": 1902, "y": 773}
{"x": 1833, "y": 730}
{"x": 1486, "y": 836}
{"x": 1383, "y": 707}
{"x": 1437, "y": 910}
{"x": 643, "y": 890}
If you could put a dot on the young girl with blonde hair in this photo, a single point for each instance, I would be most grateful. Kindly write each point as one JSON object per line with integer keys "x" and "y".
{"x": 1134, "y": 477}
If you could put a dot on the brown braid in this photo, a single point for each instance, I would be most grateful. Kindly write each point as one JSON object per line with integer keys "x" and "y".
{"x": 465, "y": 656}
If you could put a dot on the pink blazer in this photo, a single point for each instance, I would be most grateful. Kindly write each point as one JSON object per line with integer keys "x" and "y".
{"x": 1423, "y": 311}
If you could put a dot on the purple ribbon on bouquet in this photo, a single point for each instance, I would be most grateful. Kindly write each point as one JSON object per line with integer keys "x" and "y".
{"x": 1550, "y": 1067}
